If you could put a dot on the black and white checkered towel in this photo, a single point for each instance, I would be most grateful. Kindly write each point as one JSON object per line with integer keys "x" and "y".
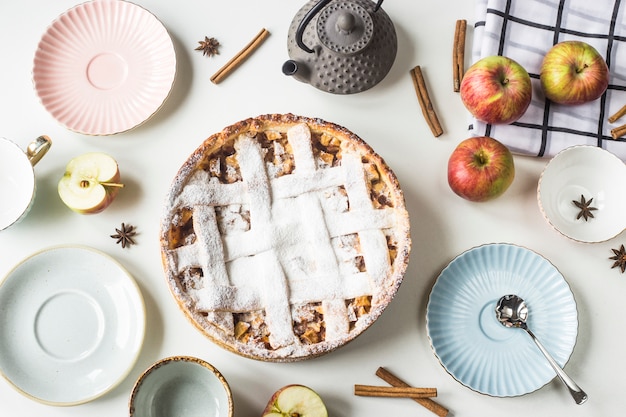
{"x": 524, "y": 30}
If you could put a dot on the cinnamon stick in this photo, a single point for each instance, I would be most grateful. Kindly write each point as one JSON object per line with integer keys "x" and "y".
{"x": 425, "y": 103}
{"x": 618, "y": 132}
{"x": 458, "y": 53}
{"x": 427, "y": 403}
{"x": 240, "y": 57}
{"x": 618, "y": 114}
{"x": 394, "y": 392}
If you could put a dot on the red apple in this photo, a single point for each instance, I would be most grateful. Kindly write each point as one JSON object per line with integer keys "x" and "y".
{"x": 573, "y": 72}
{"x": 295, "y": 400}
{"x": 496, "y": 90}
{"x": 480, "y": 169}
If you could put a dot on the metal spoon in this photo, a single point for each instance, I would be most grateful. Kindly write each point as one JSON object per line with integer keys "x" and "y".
{"x": 512, "y": 311}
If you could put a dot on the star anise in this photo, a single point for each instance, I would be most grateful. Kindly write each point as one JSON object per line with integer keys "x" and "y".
{"x": 208, "y": 46}
{"x": 125, "y": 235}
{"x": 585, "y": 208}
{"x": 619, "y": 258}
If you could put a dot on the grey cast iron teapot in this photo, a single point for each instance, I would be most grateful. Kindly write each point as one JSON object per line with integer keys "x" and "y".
{"x": 341, "y": 46}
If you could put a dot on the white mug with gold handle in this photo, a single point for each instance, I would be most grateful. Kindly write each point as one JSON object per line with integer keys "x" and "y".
{"x": 17, "y": 178}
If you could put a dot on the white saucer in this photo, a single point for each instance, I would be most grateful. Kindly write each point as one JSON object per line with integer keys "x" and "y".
{"x": 72, "y": 323}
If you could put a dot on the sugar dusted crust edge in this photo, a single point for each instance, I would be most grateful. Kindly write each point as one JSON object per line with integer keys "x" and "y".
{"x": 283, "y": 122}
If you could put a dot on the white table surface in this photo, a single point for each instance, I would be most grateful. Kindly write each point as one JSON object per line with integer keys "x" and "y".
{"x": 389, "y": 118}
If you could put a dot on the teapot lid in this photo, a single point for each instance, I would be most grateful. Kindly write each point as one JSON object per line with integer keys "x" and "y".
{"x": 345, "y": 27}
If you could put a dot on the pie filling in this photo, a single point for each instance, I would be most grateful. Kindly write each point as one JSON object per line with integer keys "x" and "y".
{"x": 280, "y": 242}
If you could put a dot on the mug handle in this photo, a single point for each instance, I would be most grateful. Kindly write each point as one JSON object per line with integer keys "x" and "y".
{"x": 38, "y": 148}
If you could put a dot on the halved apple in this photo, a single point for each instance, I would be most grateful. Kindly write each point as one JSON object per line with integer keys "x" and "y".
{"x": 90, "y": 183}
{"x": 295, "y": 401}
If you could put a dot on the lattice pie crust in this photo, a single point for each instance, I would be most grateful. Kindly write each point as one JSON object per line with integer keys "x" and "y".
{"x": 284, "y": 237}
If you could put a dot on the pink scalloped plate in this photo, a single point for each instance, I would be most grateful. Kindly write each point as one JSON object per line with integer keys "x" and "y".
{"x": 104, "y": 67}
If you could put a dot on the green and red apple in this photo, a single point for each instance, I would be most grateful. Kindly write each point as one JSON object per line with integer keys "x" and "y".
{"x": 90, "y": 183}
{"x": 480, "y": 169}
{"x": 496, "y": 90}
{"x": 295, "y": 401}
{"x": 573, "y": 72}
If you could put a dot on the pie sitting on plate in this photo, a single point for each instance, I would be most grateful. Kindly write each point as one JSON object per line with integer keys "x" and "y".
{"x": 284, "y": 237}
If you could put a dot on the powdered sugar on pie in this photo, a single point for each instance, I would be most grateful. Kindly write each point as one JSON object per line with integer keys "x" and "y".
{"x": 284, "y": 237}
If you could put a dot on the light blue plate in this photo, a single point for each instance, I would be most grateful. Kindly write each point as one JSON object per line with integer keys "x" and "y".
{"x": 473, "y": 346}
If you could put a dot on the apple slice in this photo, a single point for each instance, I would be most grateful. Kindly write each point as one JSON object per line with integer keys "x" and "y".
{"x": 90, "y": 183}
{"x": 295, "y": 401}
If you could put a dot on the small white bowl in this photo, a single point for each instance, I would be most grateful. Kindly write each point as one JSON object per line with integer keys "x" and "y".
{"x": 591, "y": 172}
{"x": 181, "y": 386}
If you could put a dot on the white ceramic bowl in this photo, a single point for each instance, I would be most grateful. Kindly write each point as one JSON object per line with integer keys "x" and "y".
{"x": 181, "y": 386}
{"x": 593, "y": 173}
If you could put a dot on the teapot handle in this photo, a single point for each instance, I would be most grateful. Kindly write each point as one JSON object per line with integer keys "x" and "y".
{"x": 305, "y": 21}
{"x": 309, "y": 16}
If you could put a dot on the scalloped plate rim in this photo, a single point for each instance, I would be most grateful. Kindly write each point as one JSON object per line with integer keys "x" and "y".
{"x": 160, "y": 99}
{"x": 429, "y": 321}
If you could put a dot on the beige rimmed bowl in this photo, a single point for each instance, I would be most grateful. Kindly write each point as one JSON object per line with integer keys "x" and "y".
{"x": 593, "y": 173}
{"x": 181, "y": 386}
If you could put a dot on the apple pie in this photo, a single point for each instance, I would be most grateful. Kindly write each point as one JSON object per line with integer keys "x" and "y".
{"x": 284, "y": 237}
